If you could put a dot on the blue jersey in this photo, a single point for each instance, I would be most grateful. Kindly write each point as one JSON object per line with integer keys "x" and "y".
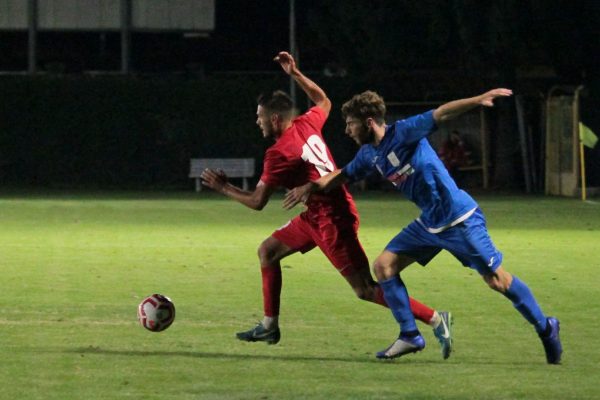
{"x": 407, "y": 160}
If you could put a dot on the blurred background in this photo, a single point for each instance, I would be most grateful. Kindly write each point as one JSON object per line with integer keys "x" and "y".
{"x": 122, "y": 94}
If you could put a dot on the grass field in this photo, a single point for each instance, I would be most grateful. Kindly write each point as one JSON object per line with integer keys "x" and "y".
{"x": 74, "y": 268}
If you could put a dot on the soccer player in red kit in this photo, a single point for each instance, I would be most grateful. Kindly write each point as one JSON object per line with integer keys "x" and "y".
{"x": 330, "y": 222}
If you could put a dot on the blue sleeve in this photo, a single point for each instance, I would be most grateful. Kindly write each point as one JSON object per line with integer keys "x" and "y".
{"x": 415, "y": 128}
{"x": 359, "y": 168}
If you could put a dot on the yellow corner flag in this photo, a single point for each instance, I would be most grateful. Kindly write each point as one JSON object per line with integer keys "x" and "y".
{"x": 587, "y": 137}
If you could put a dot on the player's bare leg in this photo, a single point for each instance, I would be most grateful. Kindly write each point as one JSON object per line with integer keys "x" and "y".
{"x": 270, "y": 252}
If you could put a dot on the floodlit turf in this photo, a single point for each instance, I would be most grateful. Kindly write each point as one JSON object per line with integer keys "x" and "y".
{"x": 75, "y": 267}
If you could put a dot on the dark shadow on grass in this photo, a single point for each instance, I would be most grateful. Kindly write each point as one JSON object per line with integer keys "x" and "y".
{"x": 359, "y": 359}
{"x": 365, "y": 359}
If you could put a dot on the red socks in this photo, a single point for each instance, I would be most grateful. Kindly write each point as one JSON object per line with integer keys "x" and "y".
{"x": 271, "y": 286}
{"x": 419, "y": 310}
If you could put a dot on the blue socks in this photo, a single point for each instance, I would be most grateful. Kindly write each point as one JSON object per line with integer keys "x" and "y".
{"x": 525, "y": 303}
{"x": 396, "y": 296}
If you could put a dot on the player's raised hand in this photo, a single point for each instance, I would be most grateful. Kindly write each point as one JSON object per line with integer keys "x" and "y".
{"x": 487, "y": 99}
{"x": 214, "y": 179}
{"x": 287, "y": 62}
{"x": 297, "y": 195}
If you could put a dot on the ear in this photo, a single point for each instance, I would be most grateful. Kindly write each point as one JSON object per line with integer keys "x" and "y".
{"x": 275, "y": 118}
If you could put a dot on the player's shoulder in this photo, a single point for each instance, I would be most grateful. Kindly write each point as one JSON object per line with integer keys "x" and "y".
{"x": 417, "y": 119}
{"x": 314, "y": 113}
{"x": 285, "y": 146}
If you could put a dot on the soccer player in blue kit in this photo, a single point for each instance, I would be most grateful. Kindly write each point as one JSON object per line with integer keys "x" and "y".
{"x": 450, "y": 219}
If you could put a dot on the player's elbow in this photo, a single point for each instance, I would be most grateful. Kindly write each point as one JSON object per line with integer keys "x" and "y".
{"x": 439, "y": 116}
{"x": 258, "y": 204}
{"x": 259, "y": 207}
{"x": 325, "y": 105}
{"x": 259, "y": 198}
{"x": 442, "y": 115}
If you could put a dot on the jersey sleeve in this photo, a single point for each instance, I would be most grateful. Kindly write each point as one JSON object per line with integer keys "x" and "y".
{"x": 276, "y": 168}
{"x": 359, "y": 168}
{"x": 415, "y": 128}
{"x": 315, "y": 117}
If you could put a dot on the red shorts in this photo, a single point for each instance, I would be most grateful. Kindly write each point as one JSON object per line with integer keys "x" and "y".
{"x": 338, "y": 241}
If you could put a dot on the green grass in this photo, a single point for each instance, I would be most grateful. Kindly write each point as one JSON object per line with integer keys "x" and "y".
{"x": 74, "y": 268}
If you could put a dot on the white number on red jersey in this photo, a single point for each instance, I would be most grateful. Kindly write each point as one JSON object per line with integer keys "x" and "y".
{"x": 315, "y": 152}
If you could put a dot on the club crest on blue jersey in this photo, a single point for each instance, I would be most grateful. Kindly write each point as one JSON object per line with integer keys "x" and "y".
{"x": 393, "y": 159}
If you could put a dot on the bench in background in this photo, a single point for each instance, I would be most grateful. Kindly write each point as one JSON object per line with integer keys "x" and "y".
{"x": 233, "y": 167}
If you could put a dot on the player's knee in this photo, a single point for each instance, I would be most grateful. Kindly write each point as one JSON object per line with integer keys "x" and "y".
{"x": 388, "y": 265}
{"x": 493, "y": 284}
{"x": 380, "y": 270}
{"x": 497, "y": 282}
{"x": 361, "y": 294}
{"x": 365, "y": 293}
{"x": 266, "y": 254}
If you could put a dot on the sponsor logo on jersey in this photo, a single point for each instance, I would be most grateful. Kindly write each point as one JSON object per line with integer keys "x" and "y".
{"x": 401, "y": 175}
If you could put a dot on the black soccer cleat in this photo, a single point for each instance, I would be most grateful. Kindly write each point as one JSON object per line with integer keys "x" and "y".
{"x": 260, "y": 334}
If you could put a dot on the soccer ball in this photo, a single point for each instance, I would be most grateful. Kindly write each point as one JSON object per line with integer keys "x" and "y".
{"x": 156, "y": 312}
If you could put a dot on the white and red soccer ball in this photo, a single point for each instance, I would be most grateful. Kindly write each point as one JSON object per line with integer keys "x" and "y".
{"x": 156, "y": 312}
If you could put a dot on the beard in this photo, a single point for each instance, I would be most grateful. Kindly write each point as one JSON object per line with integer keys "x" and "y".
{"x": 267, "y": 132}
{"x": 366, "y": 136}
{"x": 370, "y": 135}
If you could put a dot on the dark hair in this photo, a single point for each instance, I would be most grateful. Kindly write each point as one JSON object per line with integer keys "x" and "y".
{"x": 277, "y": 102}
{"x": 365, "y": 105}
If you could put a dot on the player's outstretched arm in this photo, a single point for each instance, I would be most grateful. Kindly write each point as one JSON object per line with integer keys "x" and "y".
{"x": 312, "y": 90}
{"x": 455, "y": 108}
{"x": 302, "y": 193}
{"x": 256, "y": 200}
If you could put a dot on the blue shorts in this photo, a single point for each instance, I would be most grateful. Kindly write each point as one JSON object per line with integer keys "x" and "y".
{"x": 468, "y": 241}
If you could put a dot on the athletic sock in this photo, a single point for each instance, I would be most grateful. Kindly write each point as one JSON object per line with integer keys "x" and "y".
{"x": 409, "y": 334}
{"x": 396, "y": 296}
{"x": 523, "y": 300}
{"x": 270, "y": 322}
{"x": 435, "y": 320}
{"x": 379, "y": 297}
{"x": 271, "y": 287}
{"x": 419, "y": 310}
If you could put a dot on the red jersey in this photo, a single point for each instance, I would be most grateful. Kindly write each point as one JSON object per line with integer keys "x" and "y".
{"x": 300, "y": 155}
